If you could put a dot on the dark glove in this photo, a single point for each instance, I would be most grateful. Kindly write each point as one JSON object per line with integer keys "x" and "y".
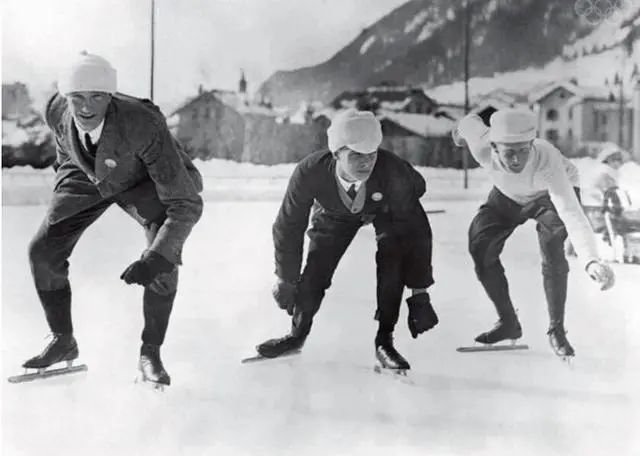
{"x": 147, "y": 268}
{"x": 285, "y": 295}
{"x": 422, "y": 317}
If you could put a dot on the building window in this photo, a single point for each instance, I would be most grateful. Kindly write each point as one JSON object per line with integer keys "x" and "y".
{"x": 207, "y": 112}
{"x": 552, "y": 114}
{"x": 570, "y": 133}
{"x": 194, "y": 114}
{"x": 604, "y": 118}
{"x": 552, "y": 134}
{"x": 571, "y": 113}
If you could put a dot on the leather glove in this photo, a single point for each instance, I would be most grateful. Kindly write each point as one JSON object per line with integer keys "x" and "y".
{"x": 422, "y": 317}
{"x": 601, "y": 273}
{"x": 146, "y": 269}
{"x": 285, "y": 295}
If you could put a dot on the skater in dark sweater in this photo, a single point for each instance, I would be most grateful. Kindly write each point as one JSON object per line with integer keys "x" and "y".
{"x": 352, "y": 184}
{"x": 112, "y": 148}
{"x": 532, "y": 180}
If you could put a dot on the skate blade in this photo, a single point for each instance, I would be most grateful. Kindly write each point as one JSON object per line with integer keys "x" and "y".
{"x": 258, "y": 358}
{"x": 400, "y": 375}
{"x": 387, "y": 370}
{"x": 493, "y": 347}
{"x": 47, "y": 373}
{"x": 154, "y": 386}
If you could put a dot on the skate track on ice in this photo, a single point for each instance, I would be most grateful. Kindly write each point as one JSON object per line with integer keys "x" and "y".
{"x": 326, "y": 401}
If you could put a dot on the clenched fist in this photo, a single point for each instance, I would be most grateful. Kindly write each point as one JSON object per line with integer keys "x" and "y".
{"x": 601, "y": 273}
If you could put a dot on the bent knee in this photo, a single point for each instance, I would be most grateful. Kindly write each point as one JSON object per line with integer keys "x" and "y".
{"x": 39, "y": 250}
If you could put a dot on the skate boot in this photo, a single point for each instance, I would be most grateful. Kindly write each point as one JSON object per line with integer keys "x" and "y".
{"x": 288, "y": 344}
{"x": 502, "y": 330}
{"x": 63, "y": 347}
{"x": 151, "y": 368}
{"x": 388, "y": 356}
{"x": 558, "y": 340}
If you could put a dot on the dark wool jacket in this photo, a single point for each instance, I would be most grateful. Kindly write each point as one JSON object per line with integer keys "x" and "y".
{"x": 392, "y": 204}
{"x": 137, "y": 161}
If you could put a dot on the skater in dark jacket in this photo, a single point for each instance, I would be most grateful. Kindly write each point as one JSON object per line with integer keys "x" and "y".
{"x": 532, "y": 180}
{"x": 112, "y": 148}
{"x": 352, "y": 184}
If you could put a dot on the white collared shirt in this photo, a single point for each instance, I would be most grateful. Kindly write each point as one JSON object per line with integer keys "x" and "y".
{"x": 346, "y": 184}
{"x": 93, "y": 134}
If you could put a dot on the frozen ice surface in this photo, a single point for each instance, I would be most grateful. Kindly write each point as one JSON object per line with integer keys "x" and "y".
{"x": 327, "y": 401}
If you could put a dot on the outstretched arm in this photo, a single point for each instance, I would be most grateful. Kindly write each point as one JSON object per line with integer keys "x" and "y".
{"x": 291, "y": 224}
{"x": 578, "y": 227}
{"x": 176, "y": 190}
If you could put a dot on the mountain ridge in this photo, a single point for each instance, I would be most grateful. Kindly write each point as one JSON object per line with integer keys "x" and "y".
{"x": 507, "y": 35}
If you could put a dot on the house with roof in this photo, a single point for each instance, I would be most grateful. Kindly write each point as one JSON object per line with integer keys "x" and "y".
{"x": 387, "y": 96}
{"x": 485, "y": 105}
{"x": 227, "y": 124}
{"x": 421, "y": 139}
{"x": 570, "y": 115}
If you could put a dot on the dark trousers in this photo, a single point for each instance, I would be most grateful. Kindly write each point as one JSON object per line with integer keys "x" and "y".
{"x": 53, "y": 243}
{"x": 496, "y": 219}
{"x": 400, "y": 262}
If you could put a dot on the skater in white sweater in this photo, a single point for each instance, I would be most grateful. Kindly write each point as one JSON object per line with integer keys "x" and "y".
{"x": 532, "y": 180}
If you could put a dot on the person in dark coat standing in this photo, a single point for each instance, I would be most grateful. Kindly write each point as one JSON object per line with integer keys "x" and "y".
{"x": 112, "y": 148}
{"x": 352, "y": 184}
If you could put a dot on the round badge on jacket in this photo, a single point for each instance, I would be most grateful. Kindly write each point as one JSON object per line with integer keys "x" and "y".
{"x": 110, "y": 163}
{"x": 377, "y": 196}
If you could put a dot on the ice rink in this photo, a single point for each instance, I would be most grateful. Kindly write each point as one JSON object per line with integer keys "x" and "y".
{"x": 326, "y": 401}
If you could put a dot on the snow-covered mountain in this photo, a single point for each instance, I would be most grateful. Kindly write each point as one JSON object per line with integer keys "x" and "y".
{"x": 421, "y": 43}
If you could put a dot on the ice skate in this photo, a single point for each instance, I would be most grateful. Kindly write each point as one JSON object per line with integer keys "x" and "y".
{"x": 501, "y": 331}
{"x": 288, "y": 345}
{"x": 559, "y": 343}
{"x": 62, "y": 348}
{"x": 151, "y": 367}
{"x": 389, "y": 358}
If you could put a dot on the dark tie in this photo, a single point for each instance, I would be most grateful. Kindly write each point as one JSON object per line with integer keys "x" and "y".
{"x": 352, "y": 192}
{"x": 91, "y": 148}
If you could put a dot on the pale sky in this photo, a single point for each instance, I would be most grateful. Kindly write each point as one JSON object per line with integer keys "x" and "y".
{"x": 197, "y": 41}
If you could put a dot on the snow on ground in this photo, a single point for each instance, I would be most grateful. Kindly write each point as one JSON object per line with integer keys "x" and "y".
{"x": 327, "y": 401}
{"x": 226, "y": 180}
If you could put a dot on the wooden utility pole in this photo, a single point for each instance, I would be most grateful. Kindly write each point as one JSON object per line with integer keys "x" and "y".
{"x": 465, "y": 161}
{"x": 153, "y": 26}
{"x": 621, "y": 111}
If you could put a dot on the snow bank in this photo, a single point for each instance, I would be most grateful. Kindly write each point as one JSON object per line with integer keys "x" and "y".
{"x": 226, "y": 180}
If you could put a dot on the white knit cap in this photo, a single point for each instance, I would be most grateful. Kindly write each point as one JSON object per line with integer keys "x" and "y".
{"x": 512, "y": 126}
{"x": 88, "y": 73}
{"x": 358, "y": 130}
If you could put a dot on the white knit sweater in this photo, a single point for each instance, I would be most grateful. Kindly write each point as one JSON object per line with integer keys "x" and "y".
{"x": 546, "y": 171}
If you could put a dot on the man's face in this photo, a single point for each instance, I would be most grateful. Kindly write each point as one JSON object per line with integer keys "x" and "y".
{"x": 513, "y": 156}
{"x": 355, "y": 165}
{"x": 615, "y": 161}
{"x": 88, "y": 108}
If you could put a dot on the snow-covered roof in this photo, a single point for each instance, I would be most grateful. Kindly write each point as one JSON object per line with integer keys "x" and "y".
{"x": 230, "y": 98}
{"x": 421, "y": 124}
{"x": 594, "y": 92}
